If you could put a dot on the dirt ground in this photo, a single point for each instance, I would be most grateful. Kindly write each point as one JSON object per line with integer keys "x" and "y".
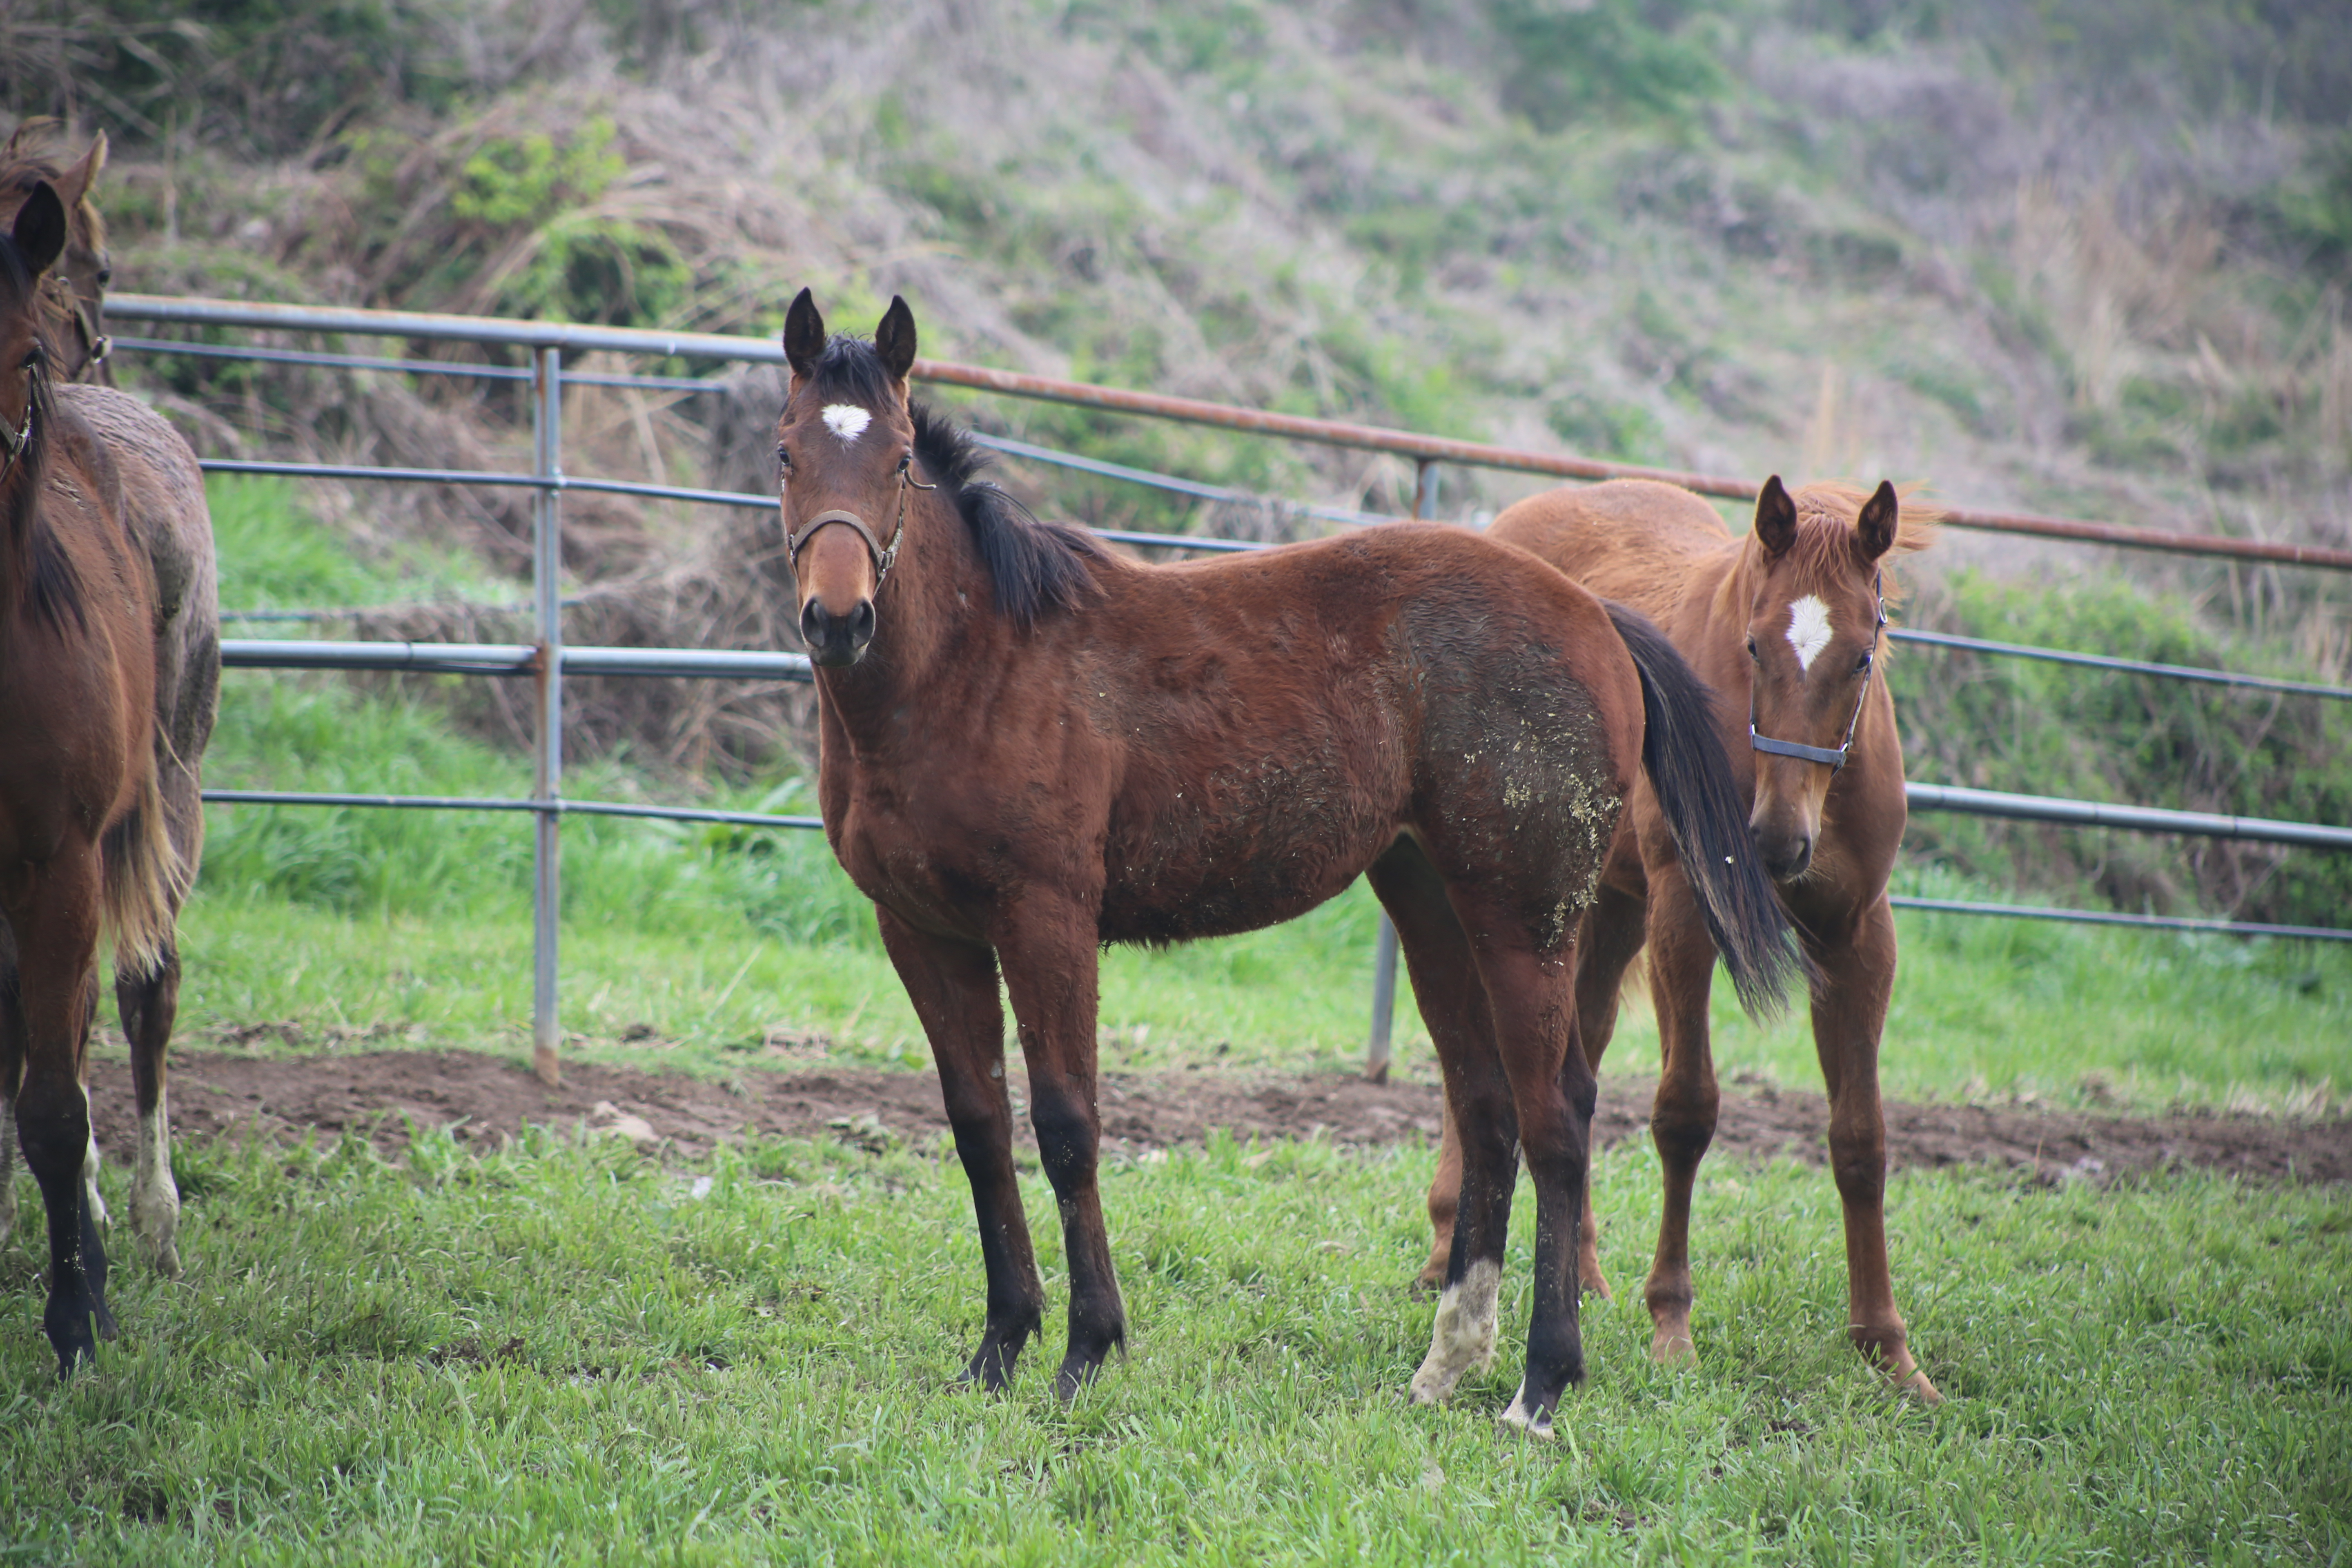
{"x": 216, "y": 1095}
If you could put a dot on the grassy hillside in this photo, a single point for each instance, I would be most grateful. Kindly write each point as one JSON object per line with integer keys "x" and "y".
{"x": 2081, "y": 262}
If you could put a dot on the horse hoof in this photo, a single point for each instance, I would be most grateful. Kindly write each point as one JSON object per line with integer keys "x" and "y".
{"x": 1674, "y": 1349}
{"x": 1535, "y": 1423}
{"x": 167, "y": 1260}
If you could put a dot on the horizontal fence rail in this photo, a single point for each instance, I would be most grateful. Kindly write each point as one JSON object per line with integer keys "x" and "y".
{"x": 548, "y": 660}
{"x": 2121, "y": 666}
{"x": 2110, "y": 918}
{"x": 570, "y": 337}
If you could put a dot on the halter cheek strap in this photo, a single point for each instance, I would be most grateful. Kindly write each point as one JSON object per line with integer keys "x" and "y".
{"x": 16, "y": 441}
{"x": 1834, "y": 758}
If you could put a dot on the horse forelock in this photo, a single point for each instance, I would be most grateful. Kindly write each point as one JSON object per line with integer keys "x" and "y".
{"x": 1823, "y": 558}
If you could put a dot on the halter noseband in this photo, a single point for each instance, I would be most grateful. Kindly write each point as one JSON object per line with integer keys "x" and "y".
{"x": 884, "y": 557}
{"x": 1835, "y": 759}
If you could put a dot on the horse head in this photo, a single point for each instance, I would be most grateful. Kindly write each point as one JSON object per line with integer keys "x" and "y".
{"x": 846, "y": 448}
{"x": 35, "y": 240}
{"x": 76, "y": 289}
{"x": 1814, "y": 633}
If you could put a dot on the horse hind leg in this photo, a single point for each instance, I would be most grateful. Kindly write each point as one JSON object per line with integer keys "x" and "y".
{"x": 1479, "y": 1119}
{"x": 149, "y": 1001}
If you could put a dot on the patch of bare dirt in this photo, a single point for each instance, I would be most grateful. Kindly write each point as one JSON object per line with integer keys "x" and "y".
{"x": 219, "y": 1095}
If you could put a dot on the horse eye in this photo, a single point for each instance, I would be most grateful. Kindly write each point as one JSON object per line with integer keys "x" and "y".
{"x": 105, "y": 277}
{"x": 783, "y": 457}
{"x": 906, "y": 461}
{"x": 1861, "y": 665}
{"x": 1751, "y": 647}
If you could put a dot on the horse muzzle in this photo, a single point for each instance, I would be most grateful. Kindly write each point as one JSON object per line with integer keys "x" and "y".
{"x": 836, "y": 642}
{"x": 1787, "y": 852}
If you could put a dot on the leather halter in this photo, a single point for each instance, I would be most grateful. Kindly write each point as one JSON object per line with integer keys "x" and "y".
{"x": 95, "y": 345}
{"x": 884, "y": 557}
{"x": 1834, "y": 758}
{"x": 17, "y": 441}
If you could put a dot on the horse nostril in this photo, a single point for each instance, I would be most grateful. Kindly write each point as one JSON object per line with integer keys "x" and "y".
{"x": 813, "y": 623}
{"x": 861, "y": 623}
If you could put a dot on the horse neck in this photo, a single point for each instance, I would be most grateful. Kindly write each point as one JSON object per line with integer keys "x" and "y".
{"x": 21, "y": 522}
{"x": 937, "y": 599}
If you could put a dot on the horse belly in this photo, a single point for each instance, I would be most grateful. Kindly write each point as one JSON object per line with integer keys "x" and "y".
{"x": 1249, "y": 847}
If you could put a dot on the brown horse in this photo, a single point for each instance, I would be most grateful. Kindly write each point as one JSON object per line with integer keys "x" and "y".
{"x": 73, "y": 293}
{"x": 1031, "y": 747}
{"x": 109, "y": 667}
{"x": 1785, "y": 625}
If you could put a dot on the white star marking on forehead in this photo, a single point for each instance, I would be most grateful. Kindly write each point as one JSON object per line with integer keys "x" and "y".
{"x": 1809, "y": 629}
{"x": 846, "y": 420}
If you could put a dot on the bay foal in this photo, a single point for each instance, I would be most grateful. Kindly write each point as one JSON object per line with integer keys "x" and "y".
{"x": 1030, "y": 747}
{"x": 108, "y": 672}
{"x": 1785, "y": 625}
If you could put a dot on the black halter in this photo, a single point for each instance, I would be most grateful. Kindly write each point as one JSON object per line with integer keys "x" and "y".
{"x": 885, "y": 557}
{"x": 1835, "y": 759}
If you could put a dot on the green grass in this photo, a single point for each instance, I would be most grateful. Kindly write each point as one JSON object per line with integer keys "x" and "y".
{"x": 565, "y": 1352}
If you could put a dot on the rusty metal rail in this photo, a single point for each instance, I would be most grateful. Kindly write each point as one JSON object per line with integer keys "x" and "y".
{"x": 574, "y": 337}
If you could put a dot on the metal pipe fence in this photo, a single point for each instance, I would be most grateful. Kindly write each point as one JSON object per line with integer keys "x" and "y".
{"x": 547, "y": 660}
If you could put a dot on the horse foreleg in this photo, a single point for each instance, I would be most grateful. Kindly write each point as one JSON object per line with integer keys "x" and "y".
{"x": 149, "y": 1004}
{"x": 1683, "y": 1114}
{"x": 55, "y": 927}
{"x": 952, "y": 986}
{"x": 1849, "y": 1014}
{"x": 1048, "y": 955}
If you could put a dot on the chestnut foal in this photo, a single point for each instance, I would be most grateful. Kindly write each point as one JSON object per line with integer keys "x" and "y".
{"x": 1785, "y": 625}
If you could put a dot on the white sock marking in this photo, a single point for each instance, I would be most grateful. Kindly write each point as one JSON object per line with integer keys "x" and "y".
{"x": 89, "y": 1173}
{"x": 846, "y": 420}
{"x": 1517, "y": 1417}
{"x": 1464, "y": 1333}
{"x": 154, "y": 1196}
{"x": 1809, "y": 630}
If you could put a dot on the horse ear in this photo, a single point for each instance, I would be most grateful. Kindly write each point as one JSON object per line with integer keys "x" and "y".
{"x": 1874, "y": 530}
{"x": 803, "y": 334}
{"x": 1776, "y": 519}
{"x": 75, "y": 184}
{"x": 895, "y": 339}
{"x": 40, "y": 231}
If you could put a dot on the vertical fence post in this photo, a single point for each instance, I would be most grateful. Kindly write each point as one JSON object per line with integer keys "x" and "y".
{"x": 547, "y": 772}
{"x": 1385, "y": 941}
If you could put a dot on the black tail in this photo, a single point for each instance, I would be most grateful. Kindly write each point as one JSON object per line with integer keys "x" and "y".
{"x": 1700, "y": 800}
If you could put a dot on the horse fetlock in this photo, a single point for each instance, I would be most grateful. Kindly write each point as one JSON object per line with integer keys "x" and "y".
{"x": 1462, "y": 1336}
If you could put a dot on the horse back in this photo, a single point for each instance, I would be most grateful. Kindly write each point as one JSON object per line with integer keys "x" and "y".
{"x": 1636, "y": 542}
{"x": 151, "y": 483}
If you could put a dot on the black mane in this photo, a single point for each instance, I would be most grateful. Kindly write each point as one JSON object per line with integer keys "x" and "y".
{"x": 1037, "y": 568}
{"x": 38, "y": 569}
